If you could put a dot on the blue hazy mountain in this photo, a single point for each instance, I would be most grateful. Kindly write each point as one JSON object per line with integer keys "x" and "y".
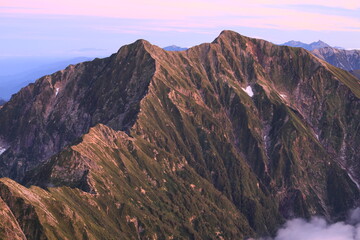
{"x": 174, "y": 48}
{"x": 309, "y": 47}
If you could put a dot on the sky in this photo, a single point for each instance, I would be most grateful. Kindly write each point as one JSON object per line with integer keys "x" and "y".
{"x": 68, "y": 28}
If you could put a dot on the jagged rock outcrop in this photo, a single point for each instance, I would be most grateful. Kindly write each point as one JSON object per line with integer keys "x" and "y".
{"x": 224, "y": 140}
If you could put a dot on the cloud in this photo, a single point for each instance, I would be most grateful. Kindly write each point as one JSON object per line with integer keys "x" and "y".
{"x": 319, "y": 229}
{"x": 316, "y": 229}
{"x": 193, "y": 14}
{"x": 346, "y": 4}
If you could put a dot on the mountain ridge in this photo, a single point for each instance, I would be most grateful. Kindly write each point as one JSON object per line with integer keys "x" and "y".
{"x": 12, "y": 83}
{"x": 193, "y": 155}
{"x": 348, "y": 60}
{"x": 345, "y": 59}
{"x": 310, "y": 47}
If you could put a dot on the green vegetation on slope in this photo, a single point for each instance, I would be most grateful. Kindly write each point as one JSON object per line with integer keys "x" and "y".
{"x": 200, "y": 158}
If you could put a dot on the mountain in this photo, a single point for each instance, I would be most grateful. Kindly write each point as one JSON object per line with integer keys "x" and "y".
{"x": 356, "y": 73}
{"x": 346, "y": 59}
{"x": 174, "y": 48}
{"x": 309, "y": 47}
{"x": 223, "y": 141}
{"x": 2, "y": 102}
{"x": 12, "y": 83}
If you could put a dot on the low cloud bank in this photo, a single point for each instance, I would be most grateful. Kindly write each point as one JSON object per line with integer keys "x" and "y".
{"x": 318, "y": 229}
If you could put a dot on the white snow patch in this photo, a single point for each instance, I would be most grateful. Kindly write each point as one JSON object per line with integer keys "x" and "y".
{"x": 350, "y": 174}
{"x": 57, "y": 91}
{"x": 248, "y": 90}
{"x": 2, "y": 150}
{"x": 283, "y": 96}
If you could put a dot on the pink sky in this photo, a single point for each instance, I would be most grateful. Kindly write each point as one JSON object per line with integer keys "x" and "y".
{"x": 264, "y": 14}
{"x": 66, "y": 27}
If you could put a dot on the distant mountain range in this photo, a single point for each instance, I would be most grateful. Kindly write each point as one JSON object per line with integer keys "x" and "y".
{"x": 309, "y": 47}
{"x": 339, "y": 57}
{"x": 174, "y": 48}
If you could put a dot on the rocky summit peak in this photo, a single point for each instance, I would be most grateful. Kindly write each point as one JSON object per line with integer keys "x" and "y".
{"x": 139, "y": 44}
{"x": 228, "y": 35}
{"x": 142, "y": 42}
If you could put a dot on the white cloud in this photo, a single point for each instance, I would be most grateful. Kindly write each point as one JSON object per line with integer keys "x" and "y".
{"x": 318, "y": 229}
{"x": 200, "y": 13}
{"x": 346, "y": 4}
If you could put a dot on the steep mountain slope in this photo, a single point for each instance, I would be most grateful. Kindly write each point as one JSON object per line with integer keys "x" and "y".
{"x": 309, "y": 47}
{"x": 61, "y": 107}
{"x": 185, "y": 149}
{"x": 345, "y": 59}
{"x": 18, "y": 73}
{"x": 356, "y": 73}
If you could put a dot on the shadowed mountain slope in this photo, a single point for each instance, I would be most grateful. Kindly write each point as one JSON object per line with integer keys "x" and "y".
{"x": 224, "y": 140}
{"x": 356, "y": 73}
{"x": 346, "y": 59}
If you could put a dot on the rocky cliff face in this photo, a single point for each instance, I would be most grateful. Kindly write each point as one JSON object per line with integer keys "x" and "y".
{"x": 346, "y": 59}
{"x": 224, "y": 140}
{"x": 56, "y": 110}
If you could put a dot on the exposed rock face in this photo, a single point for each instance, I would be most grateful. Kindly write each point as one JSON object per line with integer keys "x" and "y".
{"x": 10, "y": 228}
{"x": 51, "y": 113}
{"x": 224, "y": 140}
{"x": 346, "y": 59}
